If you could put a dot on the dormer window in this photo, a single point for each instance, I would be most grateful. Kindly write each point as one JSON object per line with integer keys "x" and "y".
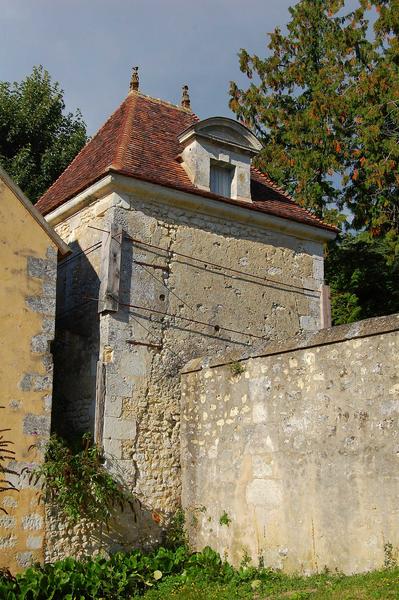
{"x": 217, "y": 156}
{"x": 221, "y": 179}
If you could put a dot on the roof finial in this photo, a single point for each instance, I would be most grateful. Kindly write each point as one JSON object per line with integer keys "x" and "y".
{"x": 185, "y": 97}
{"x": 134, "y": 80}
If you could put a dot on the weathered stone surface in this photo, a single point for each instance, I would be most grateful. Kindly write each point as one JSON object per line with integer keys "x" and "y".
{"x": 300, "y": 449}
{"x": 42, "y": 268}
{"x": 37, "y": 424}
{"x": 32, "y": 521}
{"x": 41, "y": 304}
{"x": 7, "y": 522}
{"x": 24, "y": 559}
{"x": 40, "y": 343}
{"x": 34, "y": 542}
{"x": 8, "y": 541}
{"x": 119, "y": 429}
{"x": 142, "y": 383}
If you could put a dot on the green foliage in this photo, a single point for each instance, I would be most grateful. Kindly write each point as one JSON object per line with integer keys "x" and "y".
{"x": 236, "y": 368}
{"x": 78, "y": 483}
{"x": 181, "y": 574}
{"x": 363, "y": 273}
{"x": 325, "y": 102}
{"x": 37, "y": 139}
{"x": 175, "y": 534}
{"x": 225, "y": 519}
{"x": 6, "y": 454}
{"x": 390, "y": 560}
{"x": 372, "y": 181}
{"x": 118, "y": 577}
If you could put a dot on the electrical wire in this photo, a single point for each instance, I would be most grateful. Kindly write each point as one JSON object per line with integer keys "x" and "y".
{"x": 86, "y": 251}
{"x": 223, "y": 267}
{"x": 164, "y": 284}
{"x": 187, "y": 319}
{"x": 300, "y": 289}
{"x": 73, "y": 308}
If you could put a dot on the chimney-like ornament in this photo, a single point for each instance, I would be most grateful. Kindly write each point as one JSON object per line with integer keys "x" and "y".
{"x": 134, "y": 80}
{"x": 185, "y": 97}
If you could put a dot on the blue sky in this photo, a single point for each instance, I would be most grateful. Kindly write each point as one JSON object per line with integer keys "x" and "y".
{"x": 89, "y": 46}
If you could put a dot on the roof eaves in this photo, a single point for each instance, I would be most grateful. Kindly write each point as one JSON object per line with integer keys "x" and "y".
{"x": 248, "y": 205}
{"x": 270, "y": 183}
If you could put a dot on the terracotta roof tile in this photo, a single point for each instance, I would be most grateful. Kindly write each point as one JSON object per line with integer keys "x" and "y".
{"x": 139, "y": 140}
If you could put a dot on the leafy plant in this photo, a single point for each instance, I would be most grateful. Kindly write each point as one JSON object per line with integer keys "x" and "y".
{"x": 225, "y": 519}
{"x": 78, "y": 482}
{"x": 363, "y": 273}
{"x": 236, "y": 368}
{"x": 389, "y": 558}
{"x": 121, "y": 576}
{"x": 6, "y": 454}
{"x": 178, "y": 574}
{"x": 175, "y": 534}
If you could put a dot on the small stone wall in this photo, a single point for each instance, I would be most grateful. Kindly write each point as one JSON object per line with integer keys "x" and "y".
{"x": 291, "y": 455}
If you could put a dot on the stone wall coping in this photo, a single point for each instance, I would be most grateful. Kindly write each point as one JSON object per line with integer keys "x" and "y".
{"x": 323, "y": 337}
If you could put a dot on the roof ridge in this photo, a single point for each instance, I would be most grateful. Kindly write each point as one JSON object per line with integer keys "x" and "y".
{"x": 125, "y": 130}
{"x": 89, "y": 141}
{"x": 164, "y": 102}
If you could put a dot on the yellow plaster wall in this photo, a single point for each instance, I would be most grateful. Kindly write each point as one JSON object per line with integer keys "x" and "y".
{"x": 25, "y": 375}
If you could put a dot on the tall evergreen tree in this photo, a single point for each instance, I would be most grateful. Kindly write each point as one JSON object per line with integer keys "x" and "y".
{"x": 37, "y": 139}
{"x": 371, "y": 185}
{"x": 298, "y": 101}
{"x": 325, "y": 102}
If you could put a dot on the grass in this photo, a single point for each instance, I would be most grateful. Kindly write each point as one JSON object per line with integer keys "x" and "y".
{"x": 382, "y": 585}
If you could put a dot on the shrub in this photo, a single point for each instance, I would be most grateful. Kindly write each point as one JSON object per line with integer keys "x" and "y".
{"x": 121, "y": 576}
{"x": 78, "y": 482}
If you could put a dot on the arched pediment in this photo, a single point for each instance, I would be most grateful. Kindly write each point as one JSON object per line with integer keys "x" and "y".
{"x": 224, "y": 131}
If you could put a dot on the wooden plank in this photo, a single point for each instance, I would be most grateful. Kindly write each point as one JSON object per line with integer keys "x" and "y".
{"x": 325, "y": 306}
{"x": 108, "y": 297}
{"x": 100, "y": 403}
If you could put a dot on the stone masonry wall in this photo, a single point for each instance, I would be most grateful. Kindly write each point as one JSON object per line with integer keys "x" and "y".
{"x": 28, "y": 268}
{"x": 291, "y": 455}
{"x": 142, "y": 383}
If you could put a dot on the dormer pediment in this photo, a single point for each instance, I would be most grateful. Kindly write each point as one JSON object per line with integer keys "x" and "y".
{"x": 217, "y": 156}
{"x": 223, "y": 131}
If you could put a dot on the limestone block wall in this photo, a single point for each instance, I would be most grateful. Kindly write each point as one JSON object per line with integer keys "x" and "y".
{"x": 140, "y": 350}
{"x": 28, "y": 267}
{"x": 291, "y": 455}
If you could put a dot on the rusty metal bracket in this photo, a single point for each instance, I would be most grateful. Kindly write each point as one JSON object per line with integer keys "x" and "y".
{"x": 148, "y": 344}
{"x": 145, "y": 264}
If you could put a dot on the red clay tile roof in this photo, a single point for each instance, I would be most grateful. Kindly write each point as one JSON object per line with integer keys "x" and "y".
{"x": 139, "y": 140}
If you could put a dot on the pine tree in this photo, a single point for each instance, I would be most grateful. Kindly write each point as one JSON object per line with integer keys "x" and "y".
{"x": 299, "y": 104}
{"x": 325, "y": 102}
{"x": 371, "y": 188}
